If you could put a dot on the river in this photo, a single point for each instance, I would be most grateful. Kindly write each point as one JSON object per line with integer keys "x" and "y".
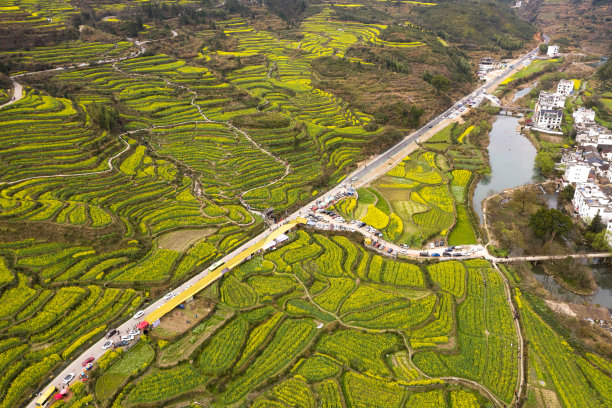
{"x": 603, "y": 295}
{"x": 511, "y": 156}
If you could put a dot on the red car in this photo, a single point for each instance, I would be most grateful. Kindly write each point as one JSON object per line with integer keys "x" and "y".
{"x": 89, "y": 360}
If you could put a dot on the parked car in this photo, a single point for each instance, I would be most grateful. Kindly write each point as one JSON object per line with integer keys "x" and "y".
{"x": 138, "y": 314}
{"x": 111, "y": 333}
{"x": 457, "y": 254}
{"x": 431, "y": 245}
{"x": 436, "y": 244}
{"x": 108, "y": 345}
{"x": 435, "y": 254}
{"x": 121, "y": 343}
{"x": 127, "y": 338}
{"x": 390, "y": 250}
{"x": 88, "y": 361}
{"x": 446, "y": 253}
{"x": 134, "y": 332}
{"x": 423, "y": 253}
{"x": 68, "y": 378}
{"x": 442, "y": 243}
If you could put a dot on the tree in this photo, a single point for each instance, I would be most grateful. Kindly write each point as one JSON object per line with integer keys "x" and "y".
{"x": 522, "y": 197}
{"x": 596, "y": 224}
{"x": 547, "y": 223}
{"x": 605, "y": 72}
{"x": 544, "y": 163}
{"x": 543, "y": 48}
{"x": 567, "y": 194}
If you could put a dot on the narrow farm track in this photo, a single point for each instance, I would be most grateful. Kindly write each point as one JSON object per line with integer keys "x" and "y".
{"x": 519, "y": 334}
{"x": 235, "y": 130}
{"x": 109, "y": 163}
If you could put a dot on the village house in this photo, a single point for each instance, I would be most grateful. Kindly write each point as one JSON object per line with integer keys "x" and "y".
{"x": 589, "y": 201}
{"x": 550, "y": 100}
{"x": 565, "y": 87}
{"x": 553, "y": 51}
{"x": 548, "y": 119}
{"x": 577, "y": 172}
{"x": 584, "y": 117}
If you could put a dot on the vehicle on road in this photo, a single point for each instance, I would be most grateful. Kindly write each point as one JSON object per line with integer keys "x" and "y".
{"x": 68, "y": 378}
{"x": 138, "y": 314}
{"x": 188, "y": 286}
{"x": 88, "y": 361}
{"x": 45, "y": 396}
{"x": 167, "y": 296}
{"x": 108, "y": 345}
{"x": 111, "y": 333}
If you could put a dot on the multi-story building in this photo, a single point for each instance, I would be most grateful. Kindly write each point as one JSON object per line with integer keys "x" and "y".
{"x": 577, "y": 172}
{"x": 565, "y": 87}
{"x": 589, "y": 201}
{"x": 548, "y": 119}
{"x": 550, "y": 100}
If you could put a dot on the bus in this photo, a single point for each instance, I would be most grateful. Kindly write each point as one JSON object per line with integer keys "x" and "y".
{"x": 214, "y": 266}
{"x": 45, "y": 396}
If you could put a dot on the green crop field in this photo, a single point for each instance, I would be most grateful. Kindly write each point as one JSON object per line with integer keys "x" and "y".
{"x": 426, "y": 195}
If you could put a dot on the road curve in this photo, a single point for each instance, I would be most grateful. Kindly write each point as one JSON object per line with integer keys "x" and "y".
{"x": 17, "y": 94}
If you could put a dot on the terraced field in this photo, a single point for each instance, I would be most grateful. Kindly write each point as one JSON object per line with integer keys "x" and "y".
{"x": 426, "y": 195}
{"x": 320, "y": 314}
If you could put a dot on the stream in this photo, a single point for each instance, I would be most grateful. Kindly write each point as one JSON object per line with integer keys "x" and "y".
{"x": 603, "y": 296}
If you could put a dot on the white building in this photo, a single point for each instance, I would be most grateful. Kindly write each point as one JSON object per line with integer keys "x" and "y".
{"x": 589, "y": 201}
{"x": 609, "y": 233}
{"x": 553, "y": 50}
{"x": 488, "y": 64}
{"x": 565, "y": 87}
{"x": 584, "y": 117}
{"x": 548, "y": 119}
{"x": 577, "y": 173}
{"x": 550, "y": 100}
{"x": 604, "y": 139}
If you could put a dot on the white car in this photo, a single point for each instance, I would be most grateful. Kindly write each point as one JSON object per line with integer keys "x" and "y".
{"x": 108, "y": 345}
{"x": 188, "y": 286}
{"x": 167, "y": 296}
{"x": 134, "y": 332}
{"x": 127, "y": 338}
{"x": 138, "y": 314}
{"x": 68, "y": 378}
